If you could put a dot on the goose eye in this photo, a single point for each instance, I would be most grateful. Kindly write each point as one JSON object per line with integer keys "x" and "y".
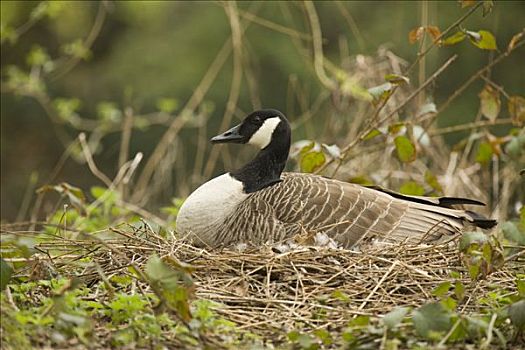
{"x": 257, "y": 119}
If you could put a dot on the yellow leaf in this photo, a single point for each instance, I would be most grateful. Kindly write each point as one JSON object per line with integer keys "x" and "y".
{"x": 406, "y": 151}
{"x": 453, "y": 39}
{"x": 490, "y": 102}
{"x": 515, "y": 39}
{"x": 467, "y": 3}
{"x": 483, "y": 39}
{"x": 516, "y": 107}
{"x": 433, "y": 31}
{"x": 415, "y": 34}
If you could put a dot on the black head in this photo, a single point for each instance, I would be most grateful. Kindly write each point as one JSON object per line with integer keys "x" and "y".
{"x": 260, "y": 128}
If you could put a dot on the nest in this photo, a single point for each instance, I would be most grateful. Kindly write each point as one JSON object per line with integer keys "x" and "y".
{"x": 270, "y": 293}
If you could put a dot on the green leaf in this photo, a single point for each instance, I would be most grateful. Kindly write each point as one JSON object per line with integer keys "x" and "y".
{"x": 397, "y": 79}
{"x": 412, "y": 188}
{"x": 442, "y": 289}
{"x": 513, "y": 233}
{"x": 7, "y": 34}
{"x": 469, "y": 238}
{"x": 371, "y": 134}
{"x": 311, "y": 161}
{"x": 484, "y": 153}
{"x": 77, "y": 49}
{"x": 293, "y": 336}
{"x": 381, "y": 92}
{"x": 453, "y": 39}
{"x": 5, "y": 273}
{"x": 108, "y": 111}
{"x": 359, "y": 321}
{"x": 449, "y": 303}
{"x": 459, "y": 290}
{"x": 490, "y": 102}
{"x": 483, "y": 39}
{"x": 433, "y": 182}
{"x": 167, "y": 105}
{"x": 394, "y": 317}
{"x": 520, "y": 286}
{"x": 67, "y": 109}
{"x": 431, "y": 318}
{"x": 406, "y": 151}
{"x": 38, "y": 56}
{"x": 517, "y": 314}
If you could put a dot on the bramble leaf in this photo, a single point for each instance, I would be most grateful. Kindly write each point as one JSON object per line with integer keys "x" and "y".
{"x": 431, "y": 318}
{"x": 5, "y": 273}
{"x": 394, "y": 317}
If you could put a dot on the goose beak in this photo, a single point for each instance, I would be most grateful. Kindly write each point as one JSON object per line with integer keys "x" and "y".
{"x": 230, "y": 136}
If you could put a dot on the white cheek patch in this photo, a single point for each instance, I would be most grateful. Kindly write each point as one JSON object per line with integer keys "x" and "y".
{"x": 263, "y": 136}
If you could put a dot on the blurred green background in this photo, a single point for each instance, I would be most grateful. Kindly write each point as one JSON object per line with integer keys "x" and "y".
{"x": 146, "y": 51}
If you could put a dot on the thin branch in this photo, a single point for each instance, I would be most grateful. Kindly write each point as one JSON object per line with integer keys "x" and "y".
{"x": 470, "y": 126}
{"x": 352, "y": 25}
{"x": 318, "y": 46}
{"x": 231, "y": 11}
{"x": 370, "y": 126}
{"x": 443, "y": 34}
{"x": 88, "y": 43}
{"x": 91, "y": 164}
{"x": 470, "y": 80}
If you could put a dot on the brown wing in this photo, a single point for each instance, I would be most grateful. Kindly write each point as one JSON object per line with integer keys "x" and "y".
{"x": 347, "y": 212}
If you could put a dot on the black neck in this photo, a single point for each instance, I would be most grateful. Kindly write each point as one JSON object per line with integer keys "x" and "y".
{"x": 266, "y": 168}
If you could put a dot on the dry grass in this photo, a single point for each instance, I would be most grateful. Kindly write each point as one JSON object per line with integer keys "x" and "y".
{"x": 270, "y": 293}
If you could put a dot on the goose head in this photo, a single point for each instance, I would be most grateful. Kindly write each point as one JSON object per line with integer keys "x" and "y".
{"x": 269, "y": 131}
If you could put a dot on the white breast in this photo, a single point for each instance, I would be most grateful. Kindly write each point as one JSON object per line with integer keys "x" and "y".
{"x": 208, "y": 206}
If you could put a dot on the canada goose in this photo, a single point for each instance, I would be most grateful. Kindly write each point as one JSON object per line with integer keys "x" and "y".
{"x": 259, "y": 203}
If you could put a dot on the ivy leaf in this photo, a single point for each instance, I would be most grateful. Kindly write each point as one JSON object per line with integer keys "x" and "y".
{"x": 406, "y": 151}
{"x": 431, "y": 318}
{"x": 311, "y": 161}
{"x": 5, "y": 273}
{"x": 412, "y": 188}
{"x": 483, "y": 39}
{"x": 490, "y": 102}
{"x": 394, "y": 317}
{"x": 453, "y": 39}
{"x": 516, "y": 106}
